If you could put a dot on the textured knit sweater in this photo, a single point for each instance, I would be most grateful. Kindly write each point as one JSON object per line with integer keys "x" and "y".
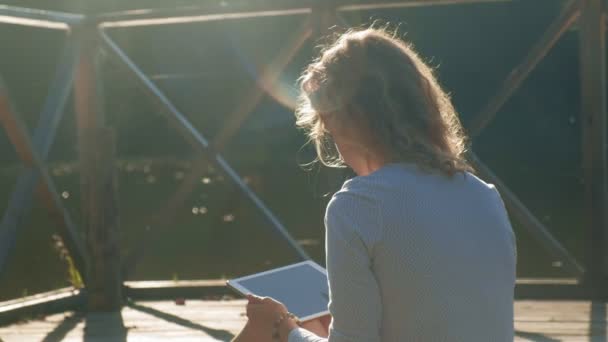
{"x": 416, "y": 256}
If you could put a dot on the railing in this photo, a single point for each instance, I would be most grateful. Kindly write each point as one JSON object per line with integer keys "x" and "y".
{"x": 79, "y": 69}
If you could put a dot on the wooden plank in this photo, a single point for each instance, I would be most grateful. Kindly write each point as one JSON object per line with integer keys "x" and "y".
{"x": 147, "y": 321}
{"x": 199, "y": 320}
{"x": 153, "y": 284}
{"x": 197, "y": 140}
{"x": 38, "y": 18}
{"x": 33, "y": 153}
{"x": 37, "y": 299}
{"x": 518, "y": 75}
{"x": 547, "y": 281}
{"x": 39, "y": 304}
{"x": 551, "y": 289}
{"x": 158, "y": 290}
{"x": 40, "y": 14}
{"x": 594, "y": 130}
{"x": 561, "y": 320}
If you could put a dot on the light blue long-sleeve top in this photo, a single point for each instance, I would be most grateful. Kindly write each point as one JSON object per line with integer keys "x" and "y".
{"x": 417, "y": 256}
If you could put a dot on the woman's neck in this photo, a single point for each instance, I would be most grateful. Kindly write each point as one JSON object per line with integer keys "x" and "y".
{"x": 360, "y": 154}
{"x": 365, "y": 166}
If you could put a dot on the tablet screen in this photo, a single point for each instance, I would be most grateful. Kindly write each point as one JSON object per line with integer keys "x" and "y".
{"x": 302, "y": 287}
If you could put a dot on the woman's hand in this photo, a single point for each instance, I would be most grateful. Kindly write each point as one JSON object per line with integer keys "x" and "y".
{"x": 263, "y": 312}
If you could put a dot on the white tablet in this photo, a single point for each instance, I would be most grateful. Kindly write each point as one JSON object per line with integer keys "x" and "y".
{"x": 302, "y": 287}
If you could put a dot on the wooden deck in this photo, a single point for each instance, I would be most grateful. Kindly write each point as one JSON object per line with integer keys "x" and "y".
{"x": 199, "y": 320}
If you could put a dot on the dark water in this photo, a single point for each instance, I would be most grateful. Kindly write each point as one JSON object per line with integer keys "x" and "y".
{"x": 207, "y": 69}
{"x": 217, "y": 233}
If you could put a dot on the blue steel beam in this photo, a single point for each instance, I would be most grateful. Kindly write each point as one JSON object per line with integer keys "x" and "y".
{"x": 33, "y": 153}
{"x": 196, "y": 139}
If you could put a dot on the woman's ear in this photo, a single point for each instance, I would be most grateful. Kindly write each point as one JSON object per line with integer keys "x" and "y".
{"x": 331, "y": 123}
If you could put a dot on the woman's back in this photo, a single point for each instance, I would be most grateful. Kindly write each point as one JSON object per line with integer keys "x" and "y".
{"x": 411, "y": 255}
{"x": 442, "y": 252}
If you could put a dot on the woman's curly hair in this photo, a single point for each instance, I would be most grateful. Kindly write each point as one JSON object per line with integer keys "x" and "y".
{"x": 368, "y": 78}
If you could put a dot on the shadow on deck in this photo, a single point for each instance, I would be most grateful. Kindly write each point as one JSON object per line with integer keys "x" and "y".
{"x": 542, "y": 321}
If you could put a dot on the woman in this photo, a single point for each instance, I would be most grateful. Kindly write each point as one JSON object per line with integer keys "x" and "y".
{"x": 418, "y": 248}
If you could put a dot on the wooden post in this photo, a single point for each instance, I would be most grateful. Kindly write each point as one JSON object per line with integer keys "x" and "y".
{"x": 97, "y": 182}
{"x": 102, "y": 234}
{"x": 594, "y": 131}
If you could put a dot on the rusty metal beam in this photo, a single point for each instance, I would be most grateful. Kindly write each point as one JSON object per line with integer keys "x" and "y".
{"x": 33, "y": 153}
{"x": 519, "y": 211}
{"x": 196, "y": 139}
{"x": 554, "y": 32}
{"x": 38, "y": 18}
{"x": 594, "y": 124}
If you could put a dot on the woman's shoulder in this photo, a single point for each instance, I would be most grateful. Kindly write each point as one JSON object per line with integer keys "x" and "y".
{"x": 383, "y": 182}
{"x": 352, "y": 196}
{"x": 357, "y": 198}
{"x": 407, "y": 182}
{"x": 353, "y": 213}
{"x": 387, "y": 176}
{"x": 357, "y": 191}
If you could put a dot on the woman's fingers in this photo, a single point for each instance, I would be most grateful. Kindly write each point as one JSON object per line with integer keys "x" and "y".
{"x": 251, "y": 309}
{"x": 265, "y": 307}
{"x": 255, "y": 311}
{"x": 254, "y": 299}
